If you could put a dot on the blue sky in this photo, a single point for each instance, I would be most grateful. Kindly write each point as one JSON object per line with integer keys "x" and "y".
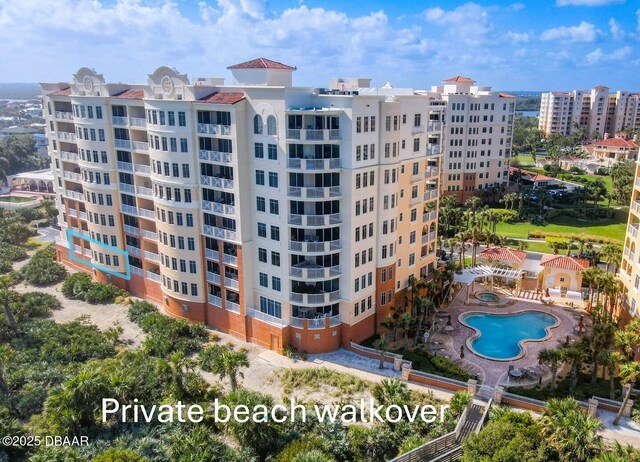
{"x": 511, "y": 45}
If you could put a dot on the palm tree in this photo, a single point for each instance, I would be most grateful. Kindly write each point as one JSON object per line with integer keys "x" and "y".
{"x": 391, "y": 391}
{"x": 553, "y": 358}
{"x": 383, "y": 346}
{"x": 611, "y": 254}
{"x": 570, "y": 431}
{"x": 225, "y": 362}
{"x": 8, "y": 297}
{"x": 610, "y": 360}
{"x": 462, "y": 243}
{"x": 629, "y": 373}
{"x": 407, "y": 321}
{"x": 313, "y": 455}
{"x": 573, "y": 355}
{"x": 388, "y": 324}
{"x": 599, "y": 340}
{"x": 522, "y": 245}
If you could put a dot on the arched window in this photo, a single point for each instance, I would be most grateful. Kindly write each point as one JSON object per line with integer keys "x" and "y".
{"x": 257, "y": 124}
{"x": 271, "y": 125}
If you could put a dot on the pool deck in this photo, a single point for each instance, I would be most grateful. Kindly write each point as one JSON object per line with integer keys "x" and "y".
{"x": 493, "y": 372}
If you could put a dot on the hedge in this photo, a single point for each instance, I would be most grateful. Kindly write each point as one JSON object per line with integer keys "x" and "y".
{"x": 79, "y": 286}
{"x": 541, "y": 234}
{"x": 43, "y": 269}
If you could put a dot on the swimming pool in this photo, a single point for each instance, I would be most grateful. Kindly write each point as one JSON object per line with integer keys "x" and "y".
{"x": 500, "y": 336}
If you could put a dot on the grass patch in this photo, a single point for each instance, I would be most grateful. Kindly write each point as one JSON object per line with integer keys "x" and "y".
{"x": 322, "y": 379}
{"x": 437, "y": 365}
{"x": 582, "y": 392}
{"x": 540, "y": 247}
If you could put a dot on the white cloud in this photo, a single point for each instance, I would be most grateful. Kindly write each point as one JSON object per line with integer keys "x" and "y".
{"x": 516, "y": 6}
{"x": 616, "y": 29}
{"x": 587, "y": 2}
{"x": 583, "y": 32}
{"x": 469, "y": 23}
{"x": 597, "y": 56}
{"x": 522, "y": 37}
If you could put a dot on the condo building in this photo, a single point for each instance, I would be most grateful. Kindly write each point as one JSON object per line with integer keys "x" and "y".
{"x": 478, "y": 137}
{"x": 283, "y": 215}
{"x": 629, "y": 274}
{"x": 598, "y": 111}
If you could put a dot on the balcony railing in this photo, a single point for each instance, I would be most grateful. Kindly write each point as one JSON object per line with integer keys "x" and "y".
{"x": 216, "y": 182}
{"x": 137, "y": 271}
{"x": 314, "y": 192}
{"x": 72, "y": 156}
{"x": 149, "y": 235}
{"x": 128, "y": 188}
{"x": 72, "y": 176}
{"x": 313, "y": 164}
{"x": 139, "y": 122}
{"x": 141, "y": 146}
{"x": 144, "y": 191}
{"x": 430, "y": 194}
{"x": 77, "y": 195}
{"x": 142, "y": 169}
{"x": 146, "y": 213}
{"x": 314, "y": 220}
{"x": 231, "y": 283}
{"x": 315, "y": 247}
{"x": 118, "y": 120}
{"x": 218, "y": 208}
{"x": 153, "y": 276}
{"x": 309, "y": 134}
{"x": 431, "y": 171}
{"x": 135, "y": 251}
{"x": 212, "y": 254}
{"x": 314, "y": 272}
{"x": 220, "y": 233}
{"x": 126, "y": 166}
{"x": 635, "y": 206}
{"x": 232, "y": 306}
{"x": 434, "y": 126}
{"x": 151, "y": 256}
{"x": 211, "y": 129}
{"x": 215, "y": 300}
{"x": 67, "y": 136}
{"x": 267, "y": 318}
{"x": 64, "y": 115}
{"x": 129, "y": 209}
{"x": 72, "y": 213}
{"x": 216, "y": 156}
{"x": 632, "y": 229}
{"x": 433, "y": 149}
{"x": 229, "y": 259}
{"x": 213, "y": 277}
{"x": 315, "y": 299}
{"x": 124, "y": 144}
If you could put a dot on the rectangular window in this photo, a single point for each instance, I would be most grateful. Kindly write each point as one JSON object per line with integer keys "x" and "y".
{"x": 258, "y": 149}
{"x": 275, "y": 233}
{"x": 275, "y": 283}
{"x": 273, "y": 152}
{"x": 260, "y": 204}
{"x": 262, "y": 230}
{"x": 191, "y": 243}
{"x": 264, "y": 280}
{"x": 274, "y": 206}
{"x": 182, "y": 119}
{"x": 260, "y": 177}
{"x": 184, "y": 146}
{"x": 273, "y": 179}
{"x": 275, "y": 258}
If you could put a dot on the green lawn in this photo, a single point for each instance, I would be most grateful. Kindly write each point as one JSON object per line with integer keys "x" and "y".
{"x": 614, "y": 228}
{"x": 540, "y": 247}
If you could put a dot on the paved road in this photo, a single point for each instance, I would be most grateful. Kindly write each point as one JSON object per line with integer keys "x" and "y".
{"x": 47, "y": 234}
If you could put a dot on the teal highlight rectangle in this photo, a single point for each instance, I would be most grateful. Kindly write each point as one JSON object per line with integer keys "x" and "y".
{"x": 125, "y": 255}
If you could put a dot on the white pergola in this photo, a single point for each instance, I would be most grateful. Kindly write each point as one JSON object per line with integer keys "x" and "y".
{"x": 469, "y": 275}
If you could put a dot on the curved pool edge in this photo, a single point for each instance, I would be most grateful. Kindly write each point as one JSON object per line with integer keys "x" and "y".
{"x": 521, "y": 343}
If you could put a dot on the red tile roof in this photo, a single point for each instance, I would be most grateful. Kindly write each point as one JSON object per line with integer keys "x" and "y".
{"x": 130, "y": 94}
{"x": 613, "y": 143}
{"x": 261, "y": 63}
{"x": 507, "y": 95}
{"x": 503, "y": 254}
{"x": 459, "y": 78}
{"x": 64, "y": 92}
{"x": 564, "y": 262}
{"x": 223, "y": 98}
{"x": 533, "y": 176}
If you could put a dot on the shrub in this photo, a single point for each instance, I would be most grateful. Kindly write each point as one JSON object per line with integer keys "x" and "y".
{"x": 541, "y": 234}
{"x": 79, "y": 286}
{"x": 558, "y": 242}
{"x": 10, "y": 280}
{"x": 449, "y": 369}
{"x": 12, "y": 252}
{"x": 167, "y": 335}
{"x": 40, "y": 304}
{"x": 139, "y": 310}
{"x": 43, "y": 269}
{"x": 507, "y": 216}
{"x": 81, "y": 280}
{"x": 5, "y": 266}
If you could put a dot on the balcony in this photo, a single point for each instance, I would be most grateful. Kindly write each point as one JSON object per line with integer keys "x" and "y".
{"x": 431, "y": 171}
{"x": 632, "y": 230}
{"x": 123, "y": 144}
{"x": 433, "y": 149}
{"x": 430, "y": 194}
{"x": 67, "y": 136}
{"x": 313, "y": 164}
{"x": 72, "y": 213}
{"x": 146, "y": 213}
{"x": 219, "y": 208}
{"x": 144, "y": 191}
{"x": 434, "y": 126}
{"x": 64, "y": 115}
{"x": 432, "y": 236}
{"x": 264, "y": 317}
{"x": 135, "y": 251}
{"x": 635, "y": 206}
{"x": 216, "y": 156}
{"x": 638, "y": 183}
{"x": 129, "y": 209}
{"x": 308, "y": 270}
{"x": 309, "y": 134}
{"x": 231, "y": 283}
{"x": 215, "y": 300}
{"x": 428, "y": 216}
{"x": 315, "y": 323}
{"x": 314, "y": 192}
{"x": 153, "y": 276}
{"x": 314, "y": 220}
{"x": 232, "y": 306}
{"x": 125, "y": 166}
{"x": 225, "y": 184}
{"x": 230, "y": 260}
{"x": 315, "y": 299}
{"x": 220, "y": 233}
{"x": 210, "y": 129}
{"x": 152, "y": 236}
{"x": 141, "y": 146}
{"x": 75, "y": 195}
{"x": 137, "y": 271}
{"x": 214, "y": 278}
{"x": 212, "y": 254}
{"x": 314, "y": 246}
{"x": 127, "y": 188}
{"x": 131, "y": 230}
{"x": 119, "y": 121}
{"x": 151, "y": 256}
{"x": 72, "y": 176}
{"x": 142, "y": 169}
{"x": 83, "y": 215}
{"x": 71, "y": 156}
{"x": 138, "y": 122}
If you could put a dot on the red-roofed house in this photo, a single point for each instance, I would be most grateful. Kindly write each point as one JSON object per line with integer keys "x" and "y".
{"x": 503, "y": 255}
{"x": 537, "y": 180}
{"x": 262, "y": 71}
{"x": 562, "y": 272}
{"x": 613, "y": 148}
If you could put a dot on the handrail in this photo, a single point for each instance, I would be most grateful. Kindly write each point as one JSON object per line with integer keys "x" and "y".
{"x": 365, "y": 349}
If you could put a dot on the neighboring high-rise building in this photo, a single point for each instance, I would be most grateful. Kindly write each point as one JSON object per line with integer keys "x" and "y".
{"x": 283, "y": 215}
{"x": 597, "y": 111}
{"x": 479, "y": 128}
{"x": 629, "y": 273}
